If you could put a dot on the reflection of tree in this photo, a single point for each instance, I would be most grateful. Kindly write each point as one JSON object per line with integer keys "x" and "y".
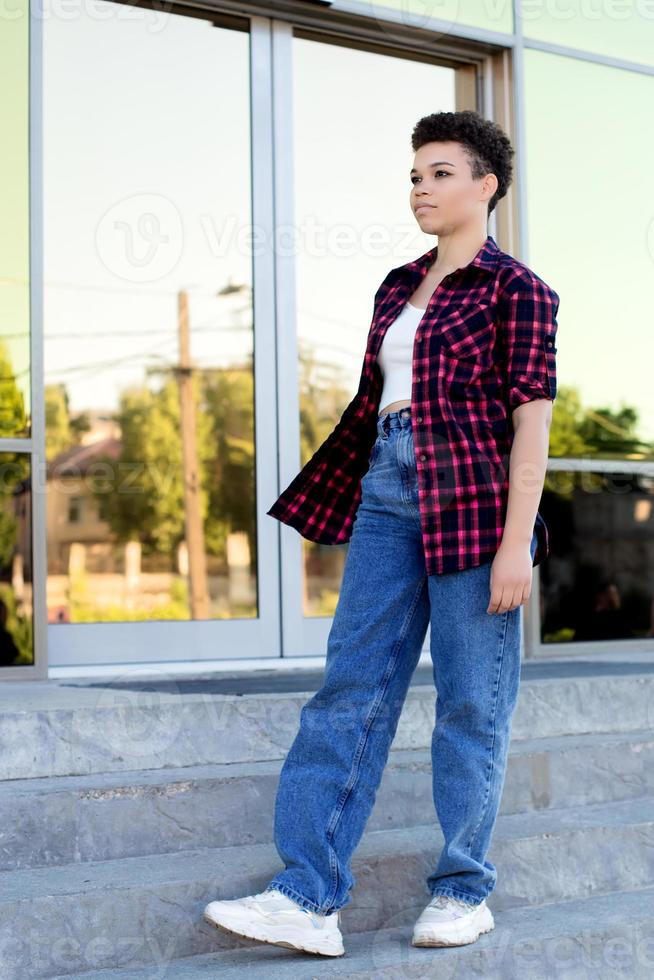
{"x": 229, "y": 402}
{"x": 13, "y": 418}
{"x": 321, "y": 405}
{"x": 61, "y": 430}
{"x": 14, "y": 471}
{"x": 8, "y": 533}
{"x": 142, "y": 491}
{"x": 581, "y": 432}
{"x": 17, "y": 626}
{"x": 613, "y": 433}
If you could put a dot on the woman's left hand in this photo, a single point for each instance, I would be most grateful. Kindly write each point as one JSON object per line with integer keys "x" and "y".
{"x": 510, "y": 580}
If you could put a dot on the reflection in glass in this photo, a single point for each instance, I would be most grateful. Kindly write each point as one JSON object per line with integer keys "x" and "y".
{"x": 597, "y": 583}
{"x": 148, "y": 320}
{"x": 14, "y": 208}
{"x": 16, "y": 610}
{"x": 591, "y": 237}
{"x": 354, "y": 225}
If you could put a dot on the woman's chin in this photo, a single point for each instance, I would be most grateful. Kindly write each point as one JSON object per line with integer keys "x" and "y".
{"x": 428, "y": 224}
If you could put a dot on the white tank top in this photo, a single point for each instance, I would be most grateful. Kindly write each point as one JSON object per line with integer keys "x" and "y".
{"x": 395, "y": 355}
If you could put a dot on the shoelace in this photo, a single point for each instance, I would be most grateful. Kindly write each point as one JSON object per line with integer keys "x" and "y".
{"x": 440, "y": 901}
{"x": 251, "y": 900}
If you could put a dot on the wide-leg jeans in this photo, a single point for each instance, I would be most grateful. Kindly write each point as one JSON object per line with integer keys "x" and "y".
{"x": 330, "y": 776}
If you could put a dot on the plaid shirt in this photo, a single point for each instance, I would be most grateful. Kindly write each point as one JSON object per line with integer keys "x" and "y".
{"x": 485, "y": 345}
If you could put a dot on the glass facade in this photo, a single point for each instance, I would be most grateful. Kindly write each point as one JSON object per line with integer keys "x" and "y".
{"x": 133, "y": 457}
{"x": 589, "y": 232}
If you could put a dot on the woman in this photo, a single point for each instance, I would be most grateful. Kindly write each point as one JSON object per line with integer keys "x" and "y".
{"x": 434, "y": 474}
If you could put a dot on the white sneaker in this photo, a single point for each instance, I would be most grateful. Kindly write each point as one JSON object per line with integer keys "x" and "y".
{"x": 271, "y": 917}
{"x": 449, "y": 921}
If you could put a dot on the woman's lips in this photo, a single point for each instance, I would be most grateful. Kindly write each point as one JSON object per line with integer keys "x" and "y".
{"x": 424, "y": 207}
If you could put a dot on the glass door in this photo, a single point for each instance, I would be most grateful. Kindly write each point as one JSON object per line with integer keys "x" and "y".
{"x": 349, "y": 208}
{"x": 158, "y": 327}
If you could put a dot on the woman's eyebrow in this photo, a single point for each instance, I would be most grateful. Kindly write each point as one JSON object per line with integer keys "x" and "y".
{"x": 436, "y": 163}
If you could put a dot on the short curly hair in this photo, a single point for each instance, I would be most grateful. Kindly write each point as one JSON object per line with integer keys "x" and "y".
{"x": 486, "y": 144}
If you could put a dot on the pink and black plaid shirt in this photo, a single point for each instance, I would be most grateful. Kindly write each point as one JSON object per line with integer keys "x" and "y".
{"x": 485, "y": 345}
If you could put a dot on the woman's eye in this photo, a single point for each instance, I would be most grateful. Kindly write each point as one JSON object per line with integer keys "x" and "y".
{"x": 445, "y": 173}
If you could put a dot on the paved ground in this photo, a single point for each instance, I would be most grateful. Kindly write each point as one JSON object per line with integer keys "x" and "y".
{"x": 275, "y": 681}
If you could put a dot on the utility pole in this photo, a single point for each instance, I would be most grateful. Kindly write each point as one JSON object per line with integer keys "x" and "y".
{"x": 198, "y": 594}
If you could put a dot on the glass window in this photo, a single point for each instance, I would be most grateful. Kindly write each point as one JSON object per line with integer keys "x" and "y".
{"x": 15, "y": 405}
{"x": 148, "y": 318}
{"x": 592, "y": 238}
{"x": 598, "y": 581}
{"x": 614, "y": 29}
{"x": 351, "y": 179}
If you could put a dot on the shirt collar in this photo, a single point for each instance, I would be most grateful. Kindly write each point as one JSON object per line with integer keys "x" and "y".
{"x": 486, "y": 258}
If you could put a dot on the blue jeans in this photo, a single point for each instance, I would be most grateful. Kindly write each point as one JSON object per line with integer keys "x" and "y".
{"x": 332, "y": 771}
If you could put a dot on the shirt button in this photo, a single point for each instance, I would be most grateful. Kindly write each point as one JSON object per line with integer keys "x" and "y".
{"x": 423, "y": 456}
{"x": 550, "y": 343}
{"x": 419, "y": 418}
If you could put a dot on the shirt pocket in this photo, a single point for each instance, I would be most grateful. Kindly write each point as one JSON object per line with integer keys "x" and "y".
{"x": 467, "y": 332}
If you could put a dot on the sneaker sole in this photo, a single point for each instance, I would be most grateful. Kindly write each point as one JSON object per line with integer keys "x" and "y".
{"x": 237, "y": 929}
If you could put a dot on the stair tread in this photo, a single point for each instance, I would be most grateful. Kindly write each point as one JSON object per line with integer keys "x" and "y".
{"x": 230, "y": 770}
{"x": 245, "y": 862}
{"x": 497, "y": 953}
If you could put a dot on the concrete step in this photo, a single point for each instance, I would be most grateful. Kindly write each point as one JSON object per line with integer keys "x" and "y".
{"x": 603, "y": 937}
{"x": 57, "y": 731}
{"x": 148, "y": 910}
{"x": 66, "y": 819}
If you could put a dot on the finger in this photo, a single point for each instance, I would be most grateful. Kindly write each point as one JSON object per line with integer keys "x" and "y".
{"x": 516, "y": 598}
{"x": 495, "y": 604}
{"x": 509, "y": 597}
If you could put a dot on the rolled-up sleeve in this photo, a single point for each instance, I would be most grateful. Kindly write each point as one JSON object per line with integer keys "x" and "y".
{"x": 528, "y": 327}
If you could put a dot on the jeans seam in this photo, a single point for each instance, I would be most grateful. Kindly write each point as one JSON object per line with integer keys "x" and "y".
{"x": 363, "y": 740}
{"x": 295, "y": 896}
{"x": 484, "y": 807}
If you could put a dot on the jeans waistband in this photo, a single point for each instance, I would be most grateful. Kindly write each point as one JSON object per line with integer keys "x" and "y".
{"x": 401, "y": 419}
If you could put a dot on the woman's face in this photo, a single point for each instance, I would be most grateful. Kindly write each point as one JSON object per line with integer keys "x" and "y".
{"x": 444, "y": 195}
